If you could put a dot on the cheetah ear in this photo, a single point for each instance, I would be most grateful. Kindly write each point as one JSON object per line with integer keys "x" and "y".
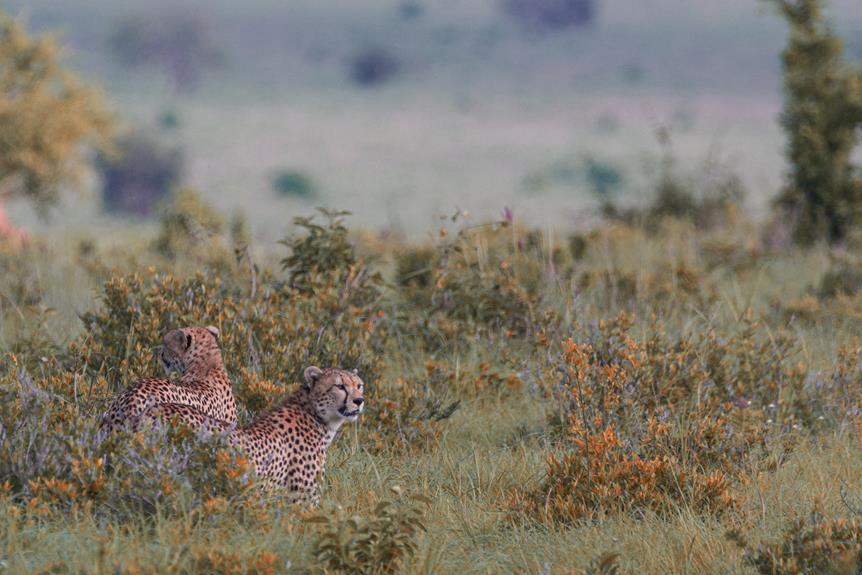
{"x": 178, "y": 340}
{"x": 213, "y": 330}
{"x": 312, "y": 374}
{"x": 175, "y": 338}
{"x": 354, "y": 371}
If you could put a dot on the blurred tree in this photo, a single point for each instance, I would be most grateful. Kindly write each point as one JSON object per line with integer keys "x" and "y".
{"x": 822, "y": 115}
{"x": 144, "y": 172}
{"x": 179, "y": 44}
{"x": 373, "y": 66}
{"x": 550, "y": 15}
{"x": 47, "y": 119}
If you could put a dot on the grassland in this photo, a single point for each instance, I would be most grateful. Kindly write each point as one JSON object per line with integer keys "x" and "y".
{"x": 495, "y": 348}
{"x": 558, "y": 392}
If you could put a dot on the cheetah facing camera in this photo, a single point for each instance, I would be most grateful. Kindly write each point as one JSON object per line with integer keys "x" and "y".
{"x": 287, "y": 443}
{"x": 192, "y": 352}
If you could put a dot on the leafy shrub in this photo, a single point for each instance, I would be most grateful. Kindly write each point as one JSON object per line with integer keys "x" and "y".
{"x": 321, "y": 256}
{"x": 754, "y": 370}
{"x": 48, "y": 120}
{"x": 808, "y": 547}
{"x": 476, "y": 282}
{"x": 708, "y": 197}
{"x": 145, "y": 172}
{"x": 604, "y": 564}
{"x": 414, "y": 273}
{"x": 844, "y": 277}
{"x": 376, "y": 545}
{"x": 188, "y": 224}
{"x": 578, "y": 244}
{"x": 274, "y": 332}
{"x": 473, "y": 380}
{"x": 550, "y": 15}
{"x": 373, "y": 66}
{"x": 295, "y": 184}
{"x": 625, "y": 287}
{"x": 22, "y": 300}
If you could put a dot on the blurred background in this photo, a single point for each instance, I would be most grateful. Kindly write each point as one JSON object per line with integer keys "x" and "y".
{"x": 403, "y": 110}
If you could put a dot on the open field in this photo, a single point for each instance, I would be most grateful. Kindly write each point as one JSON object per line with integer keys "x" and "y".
{"x": 480, "y": 108}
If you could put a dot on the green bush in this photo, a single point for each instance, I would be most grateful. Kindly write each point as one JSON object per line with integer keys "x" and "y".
{"x": 707, "y": 197}
{"x": 809, "y": 547}
{"x": 377, "y": 545}
{"x": 844, "y": 277}
{"x": 321, "y": 256}
{"x": 822, "y": 116}
{"x": 295, "y": 184}
{"x": 479, "y": 281}
{"x": 189, "y": 226}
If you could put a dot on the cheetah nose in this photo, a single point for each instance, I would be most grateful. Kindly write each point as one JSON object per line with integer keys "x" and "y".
{"x": 358, "y": 401}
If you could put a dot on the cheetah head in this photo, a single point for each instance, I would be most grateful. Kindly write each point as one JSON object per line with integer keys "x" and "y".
{"x": 336, "y": 394}
{"x": 191, "y": 349}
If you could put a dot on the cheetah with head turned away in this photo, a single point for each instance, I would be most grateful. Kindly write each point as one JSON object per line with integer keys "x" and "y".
{"x": 194, "y": 353}
{"x": 287, "y": 443}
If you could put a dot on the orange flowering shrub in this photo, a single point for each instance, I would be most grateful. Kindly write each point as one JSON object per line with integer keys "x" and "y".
{"x": 217, "y": 561}
{"x": 478, "y": 380}
{"x": 662, "y": 422}
{"x": 602, "y": 475}
{"x": 750, "y": 378}
{"x": 52, "y": 459}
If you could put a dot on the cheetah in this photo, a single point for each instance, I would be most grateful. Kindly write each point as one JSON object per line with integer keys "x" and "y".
{"x": 193, "y": 352}
{"x": 287, "y": 443}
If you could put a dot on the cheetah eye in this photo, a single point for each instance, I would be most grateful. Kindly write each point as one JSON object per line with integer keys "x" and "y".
{"x": 342, "y": 387}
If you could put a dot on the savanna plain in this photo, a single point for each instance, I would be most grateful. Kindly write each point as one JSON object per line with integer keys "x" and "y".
{"x": 671, "y": 385}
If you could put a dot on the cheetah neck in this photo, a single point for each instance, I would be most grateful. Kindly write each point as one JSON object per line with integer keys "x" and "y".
{"x": 204, "y": 374}
{"x": 301, "y": 398}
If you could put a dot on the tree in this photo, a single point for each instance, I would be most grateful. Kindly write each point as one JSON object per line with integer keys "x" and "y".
{"x": 179, "y": 44}
{"x": 48, "y": 119}
{"x": 822, "y": 114}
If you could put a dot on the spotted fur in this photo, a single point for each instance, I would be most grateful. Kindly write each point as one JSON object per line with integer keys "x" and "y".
{"x": 192, "y": 352}
{"x": 287, "y": 443}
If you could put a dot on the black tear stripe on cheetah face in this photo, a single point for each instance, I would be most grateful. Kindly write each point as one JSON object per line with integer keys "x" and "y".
{"x": 287, "y": 443}
{"x": 194, "y": 353}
